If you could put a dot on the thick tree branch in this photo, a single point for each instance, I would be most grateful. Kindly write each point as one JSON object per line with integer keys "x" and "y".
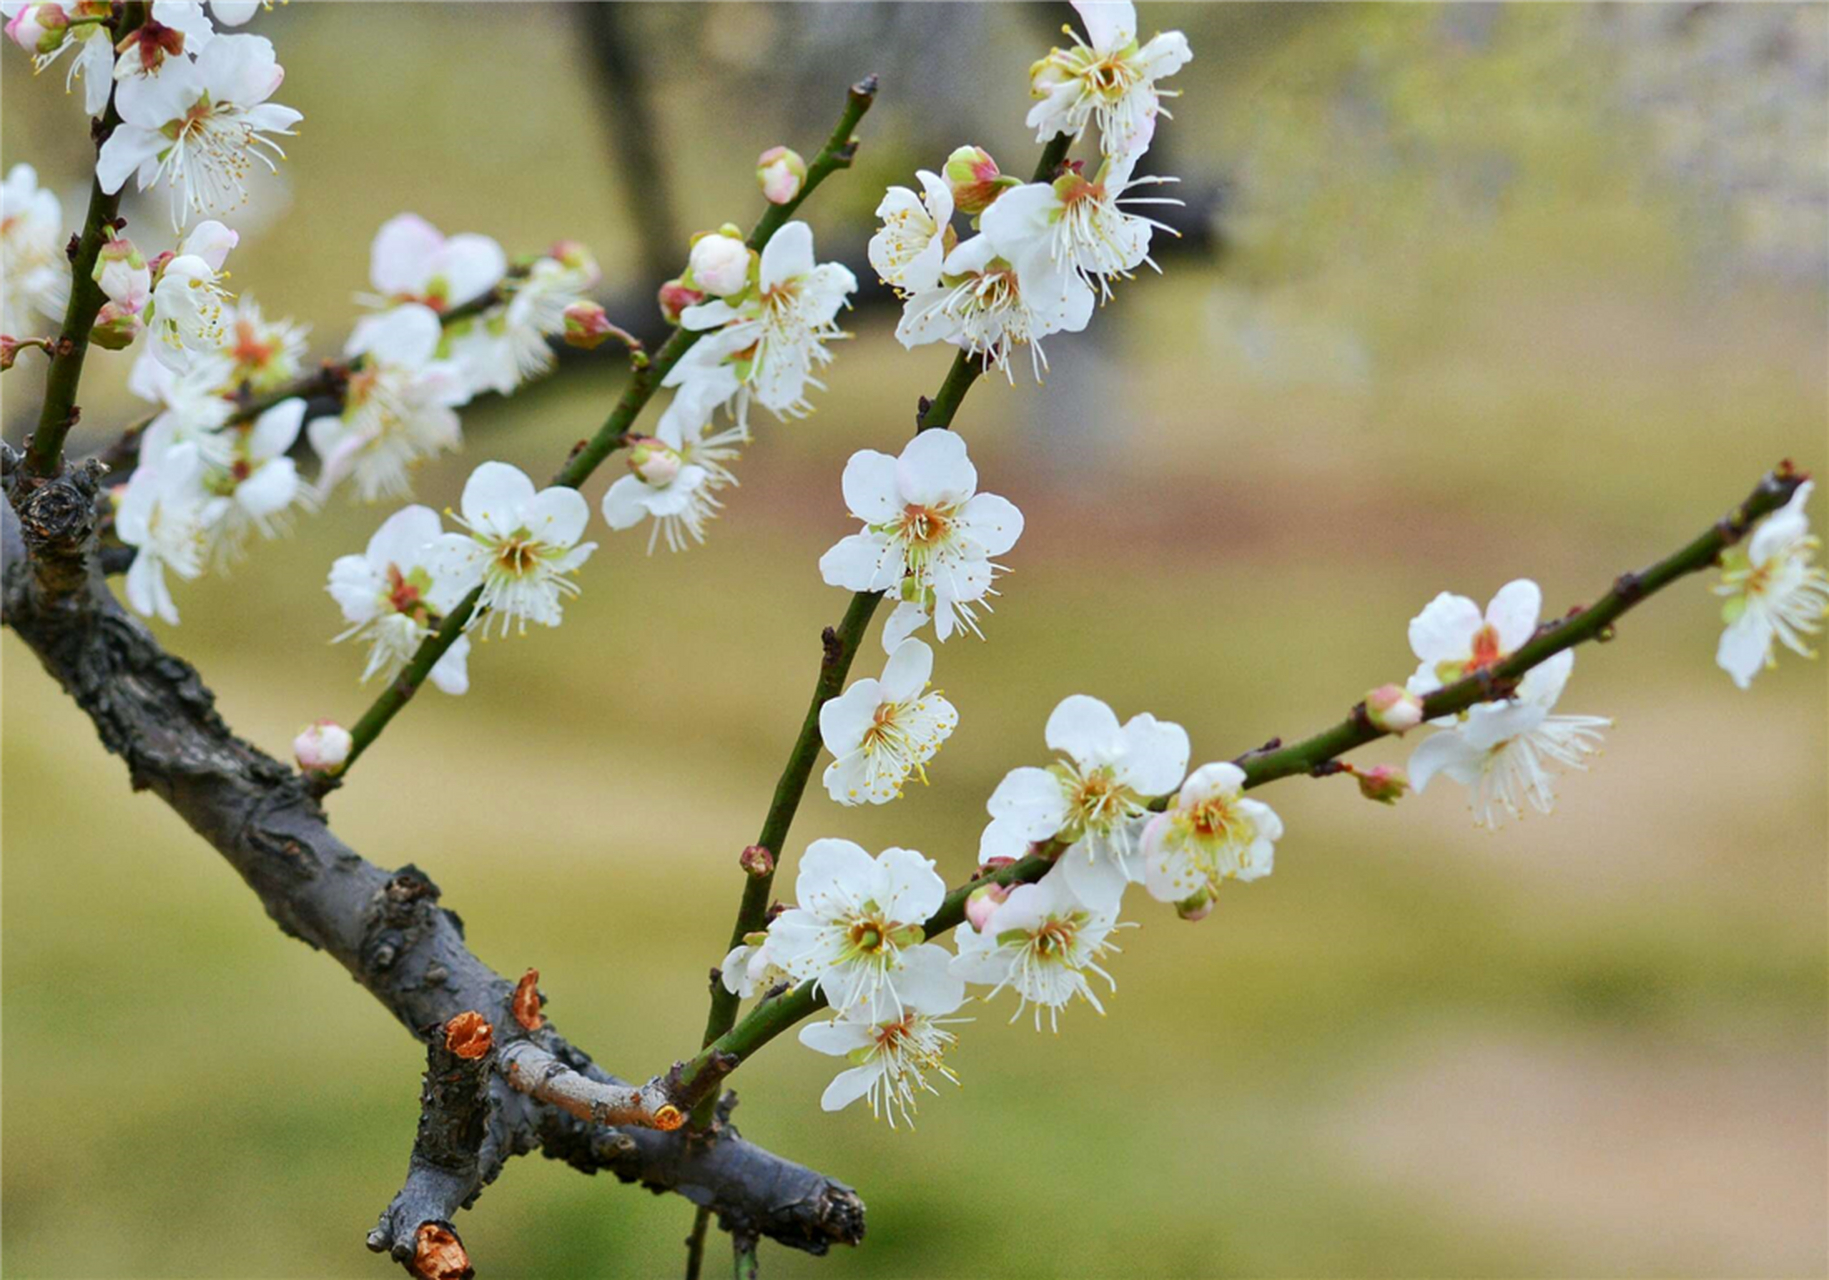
{"x": 385, "y": 927}
{"x": 777, "y": 1012}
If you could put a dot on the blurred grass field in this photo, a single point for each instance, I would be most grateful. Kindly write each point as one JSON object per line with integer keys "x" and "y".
{"x": 1592, "y": 1044}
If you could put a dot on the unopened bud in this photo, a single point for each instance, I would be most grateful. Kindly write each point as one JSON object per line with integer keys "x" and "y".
{"x": 1197, "y": 907}
{"x": 322, "y": 747}
{"x": 975, "y": 179}
{"x": 115, "y": 327}
{"x": 587, "y": 325}
{"x": 575, "y": 255}
{"x": 39, "y": 28}
{"x": 758, "y": 862}
{"x": 781, "y": 173}
{"x": 1385, "y": 783}
{"x": 1393, "y": 709}
{"x": 982, "y": 902}
{"x": 9, "y": 351}
{"x": 675, "y": 296}
{"x": 656, "y": 463}
{"x": 123, "y": 275}
{"x": 719, "y": 264}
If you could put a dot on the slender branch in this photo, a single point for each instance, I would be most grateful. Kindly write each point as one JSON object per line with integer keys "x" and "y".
{"x": 695, "y": 1243}
{"x": 777, "y": 1012}
{"x": 835, "y": 155}
{"x": 935, "y": 414}
{"x": 537, "y": 1073}
{"x": 44, "y": 451}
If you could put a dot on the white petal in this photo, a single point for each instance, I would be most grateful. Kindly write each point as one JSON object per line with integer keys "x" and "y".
{"x": 1155, "y": 755}
{"x": 557, "y": 516}
{"x": 832, "y": 873}
{"x": 870, "y": 487}
{"x": 907, "y": 672}
{"x": 992, "y": 522}
{"x": 914, "y": 889}
{"x": 844, "y": 720}
{"x": 861, "y": 562}
{"x": 787, "y": 255}
{"x": 494, "y": 497}
{"x": 1030, "y": 802}
{"x": 1444, "y": 752}
{"x": 1443, "y": 631}
{"x": 935, "y": 471}
{"x": 1513, "y": 612}
{"x": 1086, "y": 729}
{"x": 1744, "y": 646}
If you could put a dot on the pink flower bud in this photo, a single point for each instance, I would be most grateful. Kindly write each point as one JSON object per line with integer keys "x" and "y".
{"x": 982, "y": 902}
{"x": 781, "y": 173}
{"x": 719, "y": 264}
{"x": 9, "y": 351}
{"x": 123, "y": 275}
{"x": 1197, "y": 907}
{"x": 115, "y": 327}
{"x": 39, "y": 28}
{"x": 1384, "y": 783}
{"x": 1393, "y": 709}
{"x": 653, "y": 461}
{"x": 322, "y": 747}
{"x": 975, "y": 179}
{"x": 575, "y": 255}
{"x": 758, "y": 862}
{"x": 675, "y": 297}
{"x": 587, "y": 325}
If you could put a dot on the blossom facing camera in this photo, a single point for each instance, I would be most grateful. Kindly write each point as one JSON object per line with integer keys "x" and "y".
{"x": 521, "y": 548}
{"x": 781, "y": 173}
{"x": 1108, "y": 77}
{"x": 719, "y": 264}
{"x": 391, "y": 597}
{"x": 1211, "y": 835}
{"x": 1041, "y": 942}
{"x": 322, "y": 747}
{"x": 1773, "y": 592}
{"x": 1392, "y": 709}
{"x": 881, "y": 731}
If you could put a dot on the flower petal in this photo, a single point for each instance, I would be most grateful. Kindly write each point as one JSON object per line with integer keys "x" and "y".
{"x": 1086, "y": 729}
{"x": 935, "y": 471}
{"x": 1513, "y": 612}
{"x": 870, "y": 487}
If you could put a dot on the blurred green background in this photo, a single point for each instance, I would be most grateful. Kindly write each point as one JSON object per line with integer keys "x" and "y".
{"x": 1492, "y": 292}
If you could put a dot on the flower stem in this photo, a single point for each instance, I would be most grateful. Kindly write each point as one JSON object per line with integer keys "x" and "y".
{"x": 835, "y": 155}
{"x": 776, "y": 1013}
{"x": 44, "y": 452}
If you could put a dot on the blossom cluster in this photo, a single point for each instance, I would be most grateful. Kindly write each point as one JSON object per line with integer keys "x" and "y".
{"x": 1044, "y": 251}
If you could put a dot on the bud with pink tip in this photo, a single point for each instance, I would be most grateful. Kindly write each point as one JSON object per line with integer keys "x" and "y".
{"x": 654, "y": 461}
{"x": 1393, "y": 709}
{"x": 575, "y": 255}
{"x": 1384, "y": 783}
{"x": 758, "y": 862}
{"x": 123, "y": 275}
{"x": 9, "y": 351}
{"x": 1197, "y": 907}
{"x": 675, "y": 296}
{"x": 322, "y": 747}
{"x": 39, "y": 28}
{"x": 781, "y": 173}
{"x": 982, "y": 902}
{"x": 975, "y": 179}
{"x": 719, "y": 263}
{"x": 116, "y": 327}
{"x": 587, "y": 325}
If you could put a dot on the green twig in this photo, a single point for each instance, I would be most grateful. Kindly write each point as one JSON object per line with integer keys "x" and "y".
{"x": 777, "y": 1012}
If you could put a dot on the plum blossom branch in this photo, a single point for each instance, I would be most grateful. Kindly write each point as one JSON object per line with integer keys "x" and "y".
{"x": 781, "y": 1009}
{"x": 837, "y": 154}
{"x": 44, "y": 452}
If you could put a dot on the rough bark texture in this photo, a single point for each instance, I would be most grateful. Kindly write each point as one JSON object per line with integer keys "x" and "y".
{"x": 385, "y": 927}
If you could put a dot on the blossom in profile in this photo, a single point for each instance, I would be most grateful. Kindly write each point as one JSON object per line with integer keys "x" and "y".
{"x": 160, "y": 514}
{"x": 1774, "y": 593}
{"x": 34, "y": 273}
{"x": 880, "y": 731}
{"x": 521, "y": 546}
{"x": 893, "y": 1052}
{"x": 909, "y": 248}
{"x": 251, "y": 483}
{"x": 989, "y": 304}
{"x": 1500, "y": 751}
{"x": 47, "y": 32}
{"x": 391, "y": 597}
{"x": 929, "y": 536}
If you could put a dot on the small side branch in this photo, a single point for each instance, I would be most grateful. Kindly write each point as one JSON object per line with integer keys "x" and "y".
{"x": 452, "y": 1158}
{"x": 537, "y": 1073}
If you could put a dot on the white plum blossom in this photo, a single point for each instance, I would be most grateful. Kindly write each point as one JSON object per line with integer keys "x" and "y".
{"x": 1080, "y": 223}
{"x": 1094, "y": 800}
{"x": 123, "y": 275}
{"x": 253, "y": 484}
{"x": 186, "y": 312}
{"x": 891, "y": 1051}
{"x": 768, "y": 343}
{"x": 520, "y": 547}
{"x": 989, "y": 304}
{"x": 1500, "y": 749}
{"x": 1041, "y": 942}
{"x": 199, "y": 127}
{"x": 1773, "y": 592}
{"x": 909, "y": 248}
{"x": 508, "y": 344}
{"x": 48, "y": 31}
{"x": 675, "y": 476}
{"x": 880, "y": 731}
{"x": 191, "y": 403}
{"x": 750, "y": 967}
{"x": 1211, "y": 835}
{"x": 1452, "y": 638}
{"x": 1108, "y": 78}
{"x": 857, "y": 931}
{"x": 267, "y": 353}
{"x": 391, "y": 597}
{"x": 175, "y": 28}
{"x": 928, "y": 537}
{"x": 34, "y": 273}
{"x": 396, "y": 408}
{"x": 410, "y": 260}
{"x": 160, "y": 514}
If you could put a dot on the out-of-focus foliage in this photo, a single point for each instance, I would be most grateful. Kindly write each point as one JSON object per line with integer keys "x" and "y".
{"x": 1495, "y": 301}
